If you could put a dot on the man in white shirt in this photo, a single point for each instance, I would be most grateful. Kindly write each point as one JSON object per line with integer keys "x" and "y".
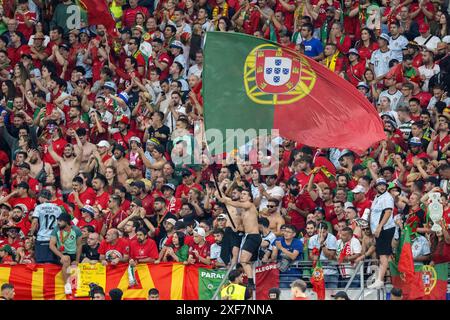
{"x": 197, "y": 68}
{"x": 175, "y": 109}
{"x": 383, "y": 228}
{"x": 426, "y": 39}
{"x": 394, "y": 95}
{"x": 268, "y": 191}
{"x": 216, "y": 248}
{"x": 348, "y": 250}
{"x": 379, "y": 62}
{"x": 326, "y": 243}
{"x": 428, "y": 69}
{"x": 420, "y": 249}
{"x": 397, "y": 41}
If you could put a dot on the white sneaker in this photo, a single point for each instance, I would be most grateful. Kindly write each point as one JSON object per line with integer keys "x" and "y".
{"x": 67, "y": 288}
{"x": 378, "y": 284}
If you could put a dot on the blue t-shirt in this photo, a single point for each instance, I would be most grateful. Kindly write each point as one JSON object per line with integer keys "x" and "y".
{"x": 313, "y": 47}
{"x": 296, "y": 244}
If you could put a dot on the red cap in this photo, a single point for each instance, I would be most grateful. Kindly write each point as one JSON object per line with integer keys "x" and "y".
{"x": 424, "y": 27}
{"x": 124, "y": 119}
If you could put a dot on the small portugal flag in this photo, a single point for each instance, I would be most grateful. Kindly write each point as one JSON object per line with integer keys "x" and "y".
{"x": 252, "y": 83}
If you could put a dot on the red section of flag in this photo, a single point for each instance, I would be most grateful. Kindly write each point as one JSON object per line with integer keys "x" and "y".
{"x": 334, "y": 107}
{"x": 267, "y": 277}
{"x": 190, "y": 288}
{"x": 162, "y": 279}
{"x": 21, "y": 277}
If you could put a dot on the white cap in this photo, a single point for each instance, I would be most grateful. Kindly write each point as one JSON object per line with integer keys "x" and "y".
{"x": 201, "y": 232}
{"x": 171, "y": 221}
{"x": 348, "y": 205}
{"x": 134, "y": 138}
{"x": 359, "y": 189}
{"x": 103, "y": 143}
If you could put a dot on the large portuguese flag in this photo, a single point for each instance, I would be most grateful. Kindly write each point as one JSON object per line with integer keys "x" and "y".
{"x": 252, "y": 83}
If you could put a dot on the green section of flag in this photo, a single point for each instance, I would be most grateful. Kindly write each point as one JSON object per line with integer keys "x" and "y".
{"x": 226, "y": 104}
{"x": 208, "y": 282}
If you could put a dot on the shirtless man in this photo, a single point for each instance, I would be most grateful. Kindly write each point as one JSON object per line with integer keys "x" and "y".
{"x": 100, "y": 157}
{"x": 158, "y": 156}
{"x": 69, "y": 164}
{"x": 273, "y": 215}
{"x": 121, "y": 164}
{"x": 252, "y": 239}
{"x": 87, "y": 148}
{"x": 368, "y": 245}
{"x": 36, "y": 165}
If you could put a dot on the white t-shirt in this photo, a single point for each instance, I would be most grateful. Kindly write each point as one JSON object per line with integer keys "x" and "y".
{"x": 215, "y": 252}
{"x": 195, "y": 70}
{"x": 380, "y": 203}
{"x": 394, "y": 98}
{"x": 46, "y": 213}
{"x": 397, "y": 45}
{"x": 431, "y": 44}
{"x": 420, "y": 247}
{"x": 380, "y": 61}
{"x": 354, "y": 247}
{"x": 428, "y": 73}
{"x": 330, "y": 244}
{"x": 274, "y": 192}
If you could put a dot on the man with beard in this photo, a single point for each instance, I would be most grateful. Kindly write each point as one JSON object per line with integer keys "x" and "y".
{"x": 113, "y": 249}
{"x": 143, "y": 249}
{"x": 123, "y": 136}
{"x": 273, "y": 215}
{"x": 102, "y": 197}
{"x": 37, "y": 166}
{"x": 65, "y": 243}
{"x": 81, "y": 195}
{"x": 121, "y": 164}
{"x": 296, "y": 206}
{"x": 252, "y": 239}
{"x": 69, "y": 165}
{"x": 158, "y": 223}
{"x": 129, "y": 227}
{"x": 138, "y": 192}
{"x": 303, "y": 168}
{"x": 75, "y": 121}
{"x": 12, "y": 238}
{"x": 383, "y": 228}
{"x": 20, "y": 219}
{"x": 87, "y": 148}
{"x": 216, "y": 248}
{"x": 269, "y": 191}
{"x": 114, "y": 215}
{"x": 333, "y": 59}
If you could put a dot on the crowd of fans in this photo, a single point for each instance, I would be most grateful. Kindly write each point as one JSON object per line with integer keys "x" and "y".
{"x": 89, "y": 127}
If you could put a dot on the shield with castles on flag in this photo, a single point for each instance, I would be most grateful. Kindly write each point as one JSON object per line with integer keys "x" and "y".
{"x": 276, "y": 71}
